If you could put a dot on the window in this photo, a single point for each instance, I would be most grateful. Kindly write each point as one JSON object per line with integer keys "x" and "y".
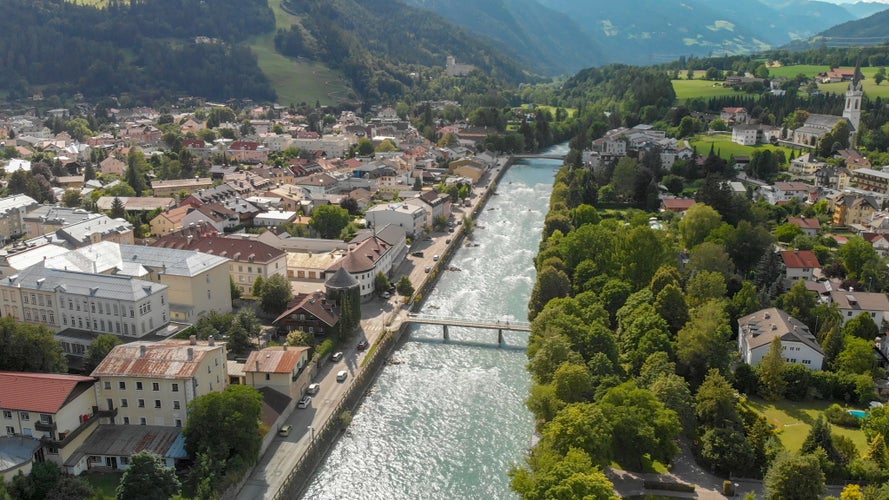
{"x": 23, "y": 415}
{"x": 268, "y": 376}
{"x": 143, "y": 421}
{"x": 52, "y": 318}
{"x": 138, "y": 386}
{"x": 126, "y": 420}
{"x": 175, "y": 387}
{"x": 178, "y": 423}
{"x": 7, "y": 414}
{"x": 107, "y": 385}
{"x": 124, "y": 403}
{"x": 45, "y": 419}
{"x": 157, "y": 403}
{"x": 176, "y": 405}
{"x": 155, "y": 386}
{"x": 25, "y": 298}
{"x": 807, "y": 361}
{"x": 10, "y": 431}
{"x": 141, "y": 403}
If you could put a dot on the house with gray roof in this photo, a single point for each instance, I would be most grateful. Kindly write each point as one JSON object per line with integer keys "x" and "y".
{"x": 757, "y": 331}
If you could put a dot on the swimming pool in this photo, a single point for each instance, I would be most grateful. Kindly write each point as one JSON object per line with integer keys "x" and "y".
{"x": 858, "y": 413}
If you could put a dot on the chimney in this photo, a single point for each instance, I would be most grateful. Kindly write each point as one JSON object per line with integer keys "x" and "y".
{"x": 142, "y": 350}
{"x": 191, "y": 354}
{"x": 211, "y": 341}
{"x": 192, "y": 339}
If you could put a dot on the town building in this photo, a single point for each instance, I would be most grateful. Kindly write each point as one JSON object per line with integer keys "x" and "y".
{"x": 44, "y": 417}
{"x": 413, "y": 219}
{"x": 280, "y": 368}
{"x": 757, "y": 331}
{"x": 364, "y": 261}
{"x": 810, "y": 226}
{"x": 12, "y": 215}
{"x": 799, "y": 265}
{"x": 172, "y": 187}
{"x": 852, "y": 303}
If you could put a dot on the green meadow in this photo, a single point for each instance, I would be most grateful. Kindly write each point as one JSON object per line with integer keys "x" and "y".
{"x": 723, "y": 145}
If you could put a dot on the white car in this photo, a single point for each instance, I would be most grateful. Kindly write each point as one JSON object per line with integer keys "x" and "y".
{"x": 435, "y": 258}
{"x": 341, "y": 375}
{"x": 304, "y": 402}
{"x": 313, "y": 389}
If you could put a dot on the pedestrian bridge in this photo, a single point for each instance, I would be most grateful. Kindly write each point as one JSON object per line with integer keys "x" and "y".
{"x": 500, "y": 325}
{"x": 540, "y": 157}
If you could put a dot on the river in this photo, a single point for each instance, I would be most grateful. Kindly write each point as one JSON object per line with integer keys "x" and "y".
{"x": 447, "y": 419}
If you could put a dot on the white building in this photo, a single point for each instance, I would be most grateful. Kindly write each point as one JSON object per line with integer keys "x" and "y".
{"x": 853, "y": 303}
{"x": 412, "y": 218}
{"x": 757, "y": 331}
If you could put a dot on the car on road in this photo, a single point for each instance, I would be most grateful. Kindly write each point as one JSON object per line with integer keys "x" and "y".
{"x": 313, "y": 389}
{"x": 435, "y": 258}
{"x": 341, "y": 375}
{"x": 363, "y": 345}
{"x": 304, "y": 402}
{"x": 386, "y": 295}
{"x": 336, "y": 356}
{"x": 428, "y": 268}
{"x": 417, "y": 254}
{"x": 285, "y": 430}
{"x": 447, "y": 241}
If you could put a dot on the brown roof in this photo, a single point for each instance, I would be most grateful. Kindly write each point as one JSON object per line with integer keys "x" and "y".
{"x": 168, "y": 359}
{"x": 863, "y": 301}
{"x": 677, "y": 204}
{"x": 363, "y": 257}
{"x": 796, "y": 259}
{"x": 274, "y": 360}
{"x": 805, "y": 223}
{"x": 40, "y": 392}
{"x": 237, "y": 249}
{"x": 316, "y": 305}
{"x": 763, "y": 326}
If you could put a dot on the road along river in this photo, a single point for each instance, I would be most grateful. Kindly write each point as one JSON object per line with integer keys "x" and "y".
{"x": 446, "y": 419}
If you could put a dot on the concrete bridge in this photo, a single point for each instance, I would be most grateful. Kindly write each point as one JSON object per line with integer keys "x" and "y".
{"x": 541, "y": 157}
{"x": 484, "y": 324}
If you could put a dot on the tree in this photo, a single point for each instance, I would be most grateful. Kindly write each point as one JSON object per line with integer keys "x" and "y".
{"x": 862, "y": 327}
{"x": 571, "y": 476}
{"x": 30, "y": 348}
{"x": 329, "y": 221}
{"x": 697, "y": 223}
{"x": 365, "y": 147}
{"x": 117, "y": 209}
{"x": 703, "y": 343}
{"x": 671, "y": 305}
{"x": 857, "y": 356}
{"x": 300, "y": 338}
{"x": 147, "y": 478}
{"x": 404, "y": 287}
{"x": 71, "y": 198}
{"x": 819, "y": 437}
{"x": 257, "y": 289}
{"x": 727, "y": 450}
{"x": 381, "y": 282}
{"x": 98, "y": 349}
{"x": 856, "y": 255}
{"x": 276, "y": 294}
{"x": 832, "y": 345}
{"x": 234, "y": 289}
{"x": 136, "y": 169}
{"x": 705, "y": 286}
{"x": 794, "y": 477}
{"x": 772, "y": 383}
{"x": 572, "y": 382}
{"x": 551, "y": 283}
{"x": 89, "y": 172}
{"x": 673, "y": 391}
{"x": 237, "y": 340}
{"x": 716, "y": 402}
{"x": 68, "y": 488}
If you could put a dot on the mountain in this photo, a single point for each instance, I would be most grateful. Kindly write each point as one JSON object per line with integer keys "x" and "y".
{"x": 864, "y": 9}
{"x": 550, "y": 42}
{"x": 871, "y": 30}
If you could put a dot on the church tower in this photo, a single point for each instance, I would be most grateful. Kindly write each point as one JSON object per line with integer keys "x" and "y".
{"x": 854, "y": 94}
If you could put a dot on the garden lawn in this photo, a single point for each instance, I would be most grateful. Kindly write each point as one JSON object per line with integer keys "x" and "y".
{"x": 104, "y": 484}
{"x": 705, "y": 89}
{"x": 723, "y": 145}
{"x": 793, "y": 419}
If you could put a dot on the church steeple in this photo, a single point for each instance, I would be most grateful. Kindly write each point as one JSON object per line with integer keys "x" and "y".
{"x": 852, "y": 109}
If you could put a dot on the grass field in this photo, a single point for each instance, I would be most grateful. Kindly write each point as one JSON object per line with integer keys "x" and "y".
{"x": 794, "y": 419}
{"x": 871, "y": 89}
{"x": 724, "y": 146}
{"x": 687, "y": 89}
{"x": 552, "y": 109}
{"x": 104, "y": 484}
{"x": 296, "y": 80}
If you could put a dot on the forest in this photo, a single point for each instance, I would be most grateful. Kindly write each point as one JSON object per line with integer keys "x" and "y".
{"x": 143, "y": 48}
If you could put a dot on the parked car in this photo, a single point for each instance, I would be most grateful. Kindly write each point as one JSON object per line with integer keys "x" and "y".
{"x": 417, "y": 254}
{"x": 336, "y": 356}
{"x": 428, "y": 268}
{"x": 341, "y": 375}
{"x": 313, "y": 389}
{"x": 285, "y": 430}
{"x": 304, "y": 402}
{"x": 386, "y": 295}
{"x": 435, "y": 258}
{"x": 363, "y": 345}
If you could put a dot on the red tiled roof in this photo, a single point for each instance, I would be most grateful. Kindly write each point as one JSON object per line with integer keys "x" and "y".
{"x": 677, "y": 204}
{"x": 40, "y": 392}
{"x": 796, "y": 259}
{"x": 805, "y": 223}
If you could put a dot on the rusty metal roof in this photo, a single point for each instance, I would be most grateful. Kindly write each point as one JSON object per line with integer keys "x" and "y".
{"x": 169, "y": 359}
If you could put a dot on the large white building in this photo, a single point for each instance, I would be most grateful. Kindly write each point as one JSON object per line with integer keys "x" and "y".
{"x": 12, "y": 213}
{"x": 412, "y": 218}
{"x": 757, "y": 331}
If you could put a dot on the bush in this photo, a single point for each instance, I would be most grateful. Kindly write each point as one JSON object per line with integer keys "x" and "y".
{"x": 325, "y": 349}
{"x": 838, "y": 416}
{"x": 668, "y": 486}
{"x": 728, "y": 488}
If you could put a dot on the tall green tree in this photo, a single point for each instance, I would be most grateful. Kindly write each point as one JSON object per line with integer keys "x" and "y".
{"x": 137, "y": 168}
{"x": 117, "y": 209}
{"x": 771, "y": 379}
{"x": 147, "y": 478}
{"x": 794, "y": 477}
{"x": 716, "y": 402}
{"x": 276, "y": 294}
{"x": 857, "y": 356}
{"x": 862, "y": 327}
{"x": 704, "y": 342}
{"x": 697, "y": 223}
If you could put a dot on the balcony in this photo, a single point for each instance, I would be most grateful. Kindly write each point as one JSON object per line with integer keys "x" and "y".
{"x": 45, "y": 426}
{"x": 104, "y": 413}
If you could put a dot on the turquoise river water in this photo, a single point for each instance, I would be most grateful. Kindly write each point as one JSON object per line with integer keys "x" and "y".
{"x": 447, "y": 419}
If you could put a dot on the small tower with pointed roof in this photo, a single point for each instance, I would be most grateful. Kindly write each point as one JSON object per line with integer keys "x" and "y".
{"x": 854, "y": 95}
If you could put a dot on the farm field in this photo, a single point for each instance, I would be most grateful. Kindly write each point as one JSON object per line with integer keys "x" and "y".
{"x": 723, "y": 145}
{"x": 689, "y": 89}
{"x": 793, "y": 419}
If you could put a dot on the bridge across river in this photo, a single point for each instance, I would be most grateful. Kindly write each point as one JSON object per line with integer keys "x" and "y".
{"x": 540, "y": 157}
{"x": 483, "y": 324}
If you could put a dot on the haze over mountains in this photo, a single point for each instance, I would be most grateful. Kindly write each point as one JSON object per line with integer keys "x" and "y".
{"x": 562, "y": 36}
